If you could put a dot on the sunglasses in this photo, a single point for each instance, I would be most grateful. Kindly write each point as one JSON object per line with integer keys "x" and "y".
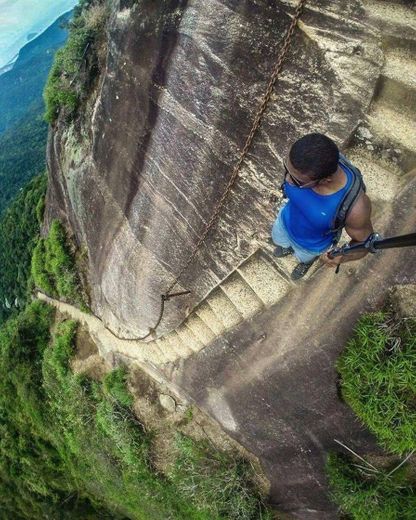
{"x": 297, "y": 182}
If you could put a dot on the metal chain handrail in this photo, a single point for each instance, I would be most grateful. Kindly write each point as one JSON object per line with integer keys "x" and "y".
{"x": 256, "y": 123}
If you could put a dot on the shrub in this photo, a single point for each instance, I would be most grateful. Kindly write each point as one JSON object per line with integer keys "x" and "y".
{"x": 54, "y": 269}
{"x": 378, "y": 370}
{"x": 40, "y": 275}
{"x": 115, "y": 386}
{"x": 62, "y": 90}
{"x": 378, "y": 496}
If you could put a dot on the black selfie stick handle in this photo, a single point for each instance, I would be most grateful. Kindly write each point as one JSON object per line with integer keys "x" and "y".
{"x": 374, "y": 243}
{"x": 400, "y": 241}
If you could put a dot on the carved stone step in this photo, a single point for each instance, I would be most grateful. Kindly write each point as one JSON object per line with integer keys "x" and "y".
{"x": 200, "y": 329}
{"x": 284, "y": 265}
{"x": 154, "y": 354}
{"x": 174, "y": 343}
{"x": 262, "y": 276}
{"x": 394, "y": 130}
{"x": 397, "y": 86}
{"x": 393, "y": 19}
{"x": 382, "y": 177}
{"x": 189, "y": 338}
{"x": 242, "y": 295}
{"x": 209, "y": 317}
{"x": 224, "y": 309}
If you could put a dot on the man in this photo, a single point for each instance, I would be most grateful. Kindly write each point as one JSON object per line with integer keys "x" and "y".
{"x": 315, "y": 182}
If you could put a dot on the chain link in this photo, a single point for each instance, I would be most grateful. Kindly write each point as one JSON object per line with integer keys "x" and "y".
{"x": 256, "y": 123}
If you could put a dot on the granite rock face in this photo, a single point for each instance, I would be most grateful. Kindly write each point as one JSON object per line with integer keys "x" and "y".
{"x": 138, "y": 174}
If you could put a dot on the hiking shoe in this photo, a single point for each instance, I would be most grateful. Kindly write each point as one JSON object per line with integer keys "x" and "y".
{"x": 282, "y": 251}
{"x": 300, "y": 270}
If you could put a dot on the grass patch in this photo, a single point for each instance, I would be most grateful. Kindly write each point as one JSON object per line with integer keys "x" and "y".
{"x": 54, "y": 269}
{"x": 115, "y": 386}
{"x": 378, "y": 370}
{"x": 363, "y": 496}
{"x": 216, "y": 482}
{"x": 70, "y": 447}
{"x": 65, "y": 88}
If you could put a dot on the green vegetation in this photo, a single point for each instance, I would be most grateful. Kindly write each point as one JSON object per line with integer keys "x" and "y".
{"x": 32, "y": 482}
{"x": 378, "y": 370}
{"x": 70, "y": 447}
{"x": 22, "y": 154}
{"x": 115, "y": 386}
{"x": 377, "y": 496}
{"x": 215, "y": 482}
{"x": 54, "y": 269}
{"x": 19, "y": 230}
{"x": 23, "y": 130}
{"x": 65, "y": 87}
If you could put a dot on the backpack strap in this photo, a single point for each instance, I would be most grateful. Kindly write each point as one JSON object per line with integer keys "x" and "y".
{"x": 349, "y": 198}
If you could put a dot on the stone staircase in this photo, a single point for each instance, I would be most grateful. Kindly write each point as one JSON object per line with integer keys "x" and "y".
{"x": 259, "y": 282}
{"x": 382, "y": 147}
{"x": 391, "y": 120}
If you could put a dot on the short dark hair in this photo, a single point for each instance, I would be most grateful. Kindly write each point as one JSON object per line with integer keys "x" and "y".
{"x": 315, "y": 155}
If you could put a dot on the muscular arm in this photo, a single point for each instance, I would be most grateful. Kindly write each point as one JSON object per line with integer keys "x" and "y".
{"x": 358, "y": 226}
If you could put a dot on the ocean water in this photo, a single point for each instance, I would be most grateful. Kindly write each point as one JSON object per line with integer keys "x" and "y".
{"x": 21, "y": 20}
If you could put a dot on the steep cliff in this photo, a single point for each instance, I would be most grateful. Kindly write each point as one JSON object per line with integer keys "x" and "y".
{"x": 137, "y": 174}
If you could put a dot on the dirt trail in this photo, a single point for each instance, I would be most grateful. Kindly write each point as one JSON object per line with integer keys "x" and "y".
{"x": 112, "y": 349}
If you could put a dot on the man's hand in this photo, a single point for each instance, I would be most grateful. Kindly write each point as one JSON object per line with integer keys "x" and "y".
{"x": 330, "y": 262}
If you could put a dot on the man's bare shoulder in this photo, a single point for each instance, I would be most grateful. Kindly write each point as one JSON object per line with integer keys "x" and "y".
{"x": 360, "y": 212}
{"x": 358, "y": 223}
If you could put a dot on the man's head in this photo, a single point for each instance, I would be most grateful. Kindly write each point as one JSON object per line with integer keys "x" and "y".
{"x": 313, "y": 157}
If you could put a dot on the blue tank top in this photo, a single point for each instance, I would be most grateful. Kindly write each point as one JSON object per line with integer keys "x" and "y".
{"x": 308, "y": 215}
